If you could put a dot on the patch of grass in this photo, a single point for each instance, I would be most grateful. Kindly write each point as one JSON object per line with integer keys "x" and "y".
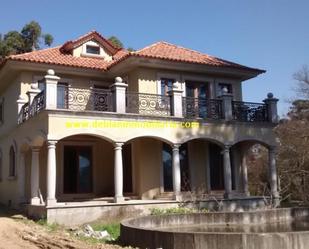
{"x": 113, "y": 229}
{"x": 49, "y": 226}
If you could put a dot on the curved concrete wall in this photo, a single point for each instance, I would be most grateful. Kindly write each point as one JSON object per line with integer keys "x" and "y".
{"x": 145, "y": 232}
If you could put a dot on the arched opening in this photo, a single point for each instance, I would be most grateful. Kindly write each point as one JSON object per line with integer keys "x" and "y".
{"x": 167, "y": 163}
{"x": 143, "y": 167}
{"x": 85, "y": 168}
{"x": 250, "y": 171}
{"x": 205, "y": 165}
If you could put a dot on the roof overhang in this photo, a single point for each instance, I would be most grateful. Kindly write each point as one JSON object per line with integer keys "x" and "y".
{"x": 136, "y": 61}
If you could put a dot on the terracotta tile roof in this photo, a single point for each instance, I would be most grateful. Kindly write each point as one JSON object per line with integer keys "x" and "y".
{"x": 62, "y": 55}
{"x": 92, "y": 35}
{"x": 56, "y": 57}
{"x": 168, "y": 51}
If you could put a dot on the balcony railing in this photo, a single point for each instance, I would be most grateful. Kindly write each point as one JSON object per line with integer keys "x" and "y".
{"x": 249, "y": 112}
{"x": 38, "y": 104}
{"x": 84, "y": 99}
{"x": 148, "y": 104}
{"x": 24, "y": 113}
{"x": 105, "y": 100}
{"x": 202, "y": 108}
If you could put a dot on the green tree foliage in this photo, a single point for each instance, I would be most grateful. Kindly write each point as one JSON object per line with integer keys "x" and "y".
{"x": 27, "y": 40}
{"x": 115, "y": 41}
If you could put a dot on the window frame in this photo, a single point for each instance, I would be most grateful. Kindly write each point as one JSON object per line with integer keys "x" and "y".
{"x": 88, "y": 46}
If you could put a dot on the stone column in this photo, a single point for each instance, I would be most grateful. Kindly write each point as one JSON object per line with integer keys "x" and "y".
{"x": 21, "y": 177}
{"x": 35, "y": 200}
{"x": 273, "y": 175}
{"x": 118, "y": 173}
{"x": 176, "y": 101}
{"x": 119, "y": 95}
{"x": 51, "y": 173}
{"x": 272, "y": 112}
{"x": 227, "y": 172}
{"x": 51, "y": 81}
{"x": 227, "y": 99}
{"x": 176, "y": 172}
{"x": 244, "y": 170}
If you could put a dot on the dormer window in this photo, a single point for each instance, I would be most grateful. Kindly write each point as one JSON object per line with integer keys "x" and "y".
{"x": 92, "y": 49}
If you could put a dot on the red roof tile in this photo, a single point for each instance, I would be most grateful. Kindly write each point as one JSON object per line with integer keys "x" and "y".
{"x": 56, "y": 57}
{"x": 62, "y": 55}
{"x": 168, "y": 51}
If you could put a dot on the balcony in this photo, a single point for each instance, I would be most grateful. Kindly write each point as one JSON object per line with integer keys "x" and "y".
{"x": 118, "y": 100}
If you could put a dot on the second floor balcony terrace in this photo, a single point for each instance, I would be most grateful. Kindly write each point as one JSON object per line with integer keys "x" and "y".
{"x": 118, "y": 100}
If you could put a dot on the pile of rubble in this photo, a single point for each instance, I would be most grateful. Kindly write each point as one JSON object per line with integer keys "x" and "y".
{"x": 88, "y": 232}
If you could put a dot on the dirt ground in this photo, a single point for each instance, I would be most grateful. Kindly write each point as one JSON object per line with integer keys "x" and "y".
{"x": 17, "y": 232}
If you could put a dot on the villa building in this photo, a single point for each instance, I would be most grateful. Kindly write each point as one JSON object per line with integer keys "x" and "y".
{"x": 87, "y": 124}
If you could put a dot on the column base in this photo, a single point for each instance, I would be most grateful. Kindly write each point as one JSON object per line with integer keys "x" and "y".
{"x": 227, "y": 195}
{"x": 35, "y": 201}
{"x": 51, "y": 202}
{"x": 177, "y": 197}
{"x": 118, "y": 199}
{"x": 247, "y": 193}
{"x": 275, "y": 199}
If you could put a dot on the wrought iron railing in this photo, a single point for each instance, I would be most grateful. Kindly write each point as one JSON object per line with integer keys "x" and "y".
{"x": 249, "y": 112}
{"x": 38, "y": 104}
{"x": 23, "y": 114}
{"x": 84, "y": 99}
{"x": 148, "y": 104}
{"x": 202, "y": 108}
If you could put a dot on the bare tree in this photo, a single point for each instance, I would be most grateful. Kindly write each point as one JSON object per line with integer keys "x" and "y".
{"x": 302, "y": 80}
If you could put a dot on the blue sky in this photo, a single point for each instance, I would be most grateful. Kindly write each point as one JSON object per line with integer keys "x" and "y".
{"x": 271, "y": 35}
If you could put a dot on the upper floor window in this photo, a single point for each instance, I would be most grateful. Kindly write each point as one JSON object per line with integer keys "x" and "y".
{"x": 92, "y": 49}
{"x": 227, "y": 86}
{"x": 12, "y": 166}
{"x": 197, "y": 89}
{"x": 166, "y": 85}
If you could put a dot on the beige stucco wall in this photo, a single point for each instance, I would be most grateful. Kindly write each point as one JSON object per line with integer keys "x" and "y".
{"x": 147, "y": 161}
{"x": 198, "y": 158}
{"x": 81, "y": 50}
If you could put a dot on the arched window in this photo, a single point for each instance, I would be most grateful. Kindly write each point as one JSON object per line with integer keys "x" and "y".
{"x": 12, "y": 169}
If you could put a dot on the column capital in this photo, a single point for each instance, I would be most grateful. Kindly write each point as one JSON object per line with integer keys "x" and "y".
{"x": 176, "y": 146}
{"x": 35, "y": 148}
{"x": 51, "y": 142}
{"x": 118, "y": 145}
{"x": 226, "y": 148}
{"x": 272, "y": 149}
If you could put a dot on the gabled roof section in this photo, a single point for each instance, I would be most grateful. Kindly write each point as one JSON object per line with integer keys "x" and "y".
{"x": 93, "y": 35}
{"x": 63, "y": 55}
{"x": 56, "y": 57}
{"x": 167, "y": 51}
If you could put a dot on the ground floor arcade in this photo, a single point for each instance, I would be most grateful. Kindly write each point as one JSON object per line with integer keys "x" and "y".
{"x": 87, "y": 167}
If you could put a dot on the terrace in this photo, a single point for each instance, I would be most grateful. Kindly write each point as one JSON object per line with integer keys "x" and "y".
{"x": 118, "y": 100}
